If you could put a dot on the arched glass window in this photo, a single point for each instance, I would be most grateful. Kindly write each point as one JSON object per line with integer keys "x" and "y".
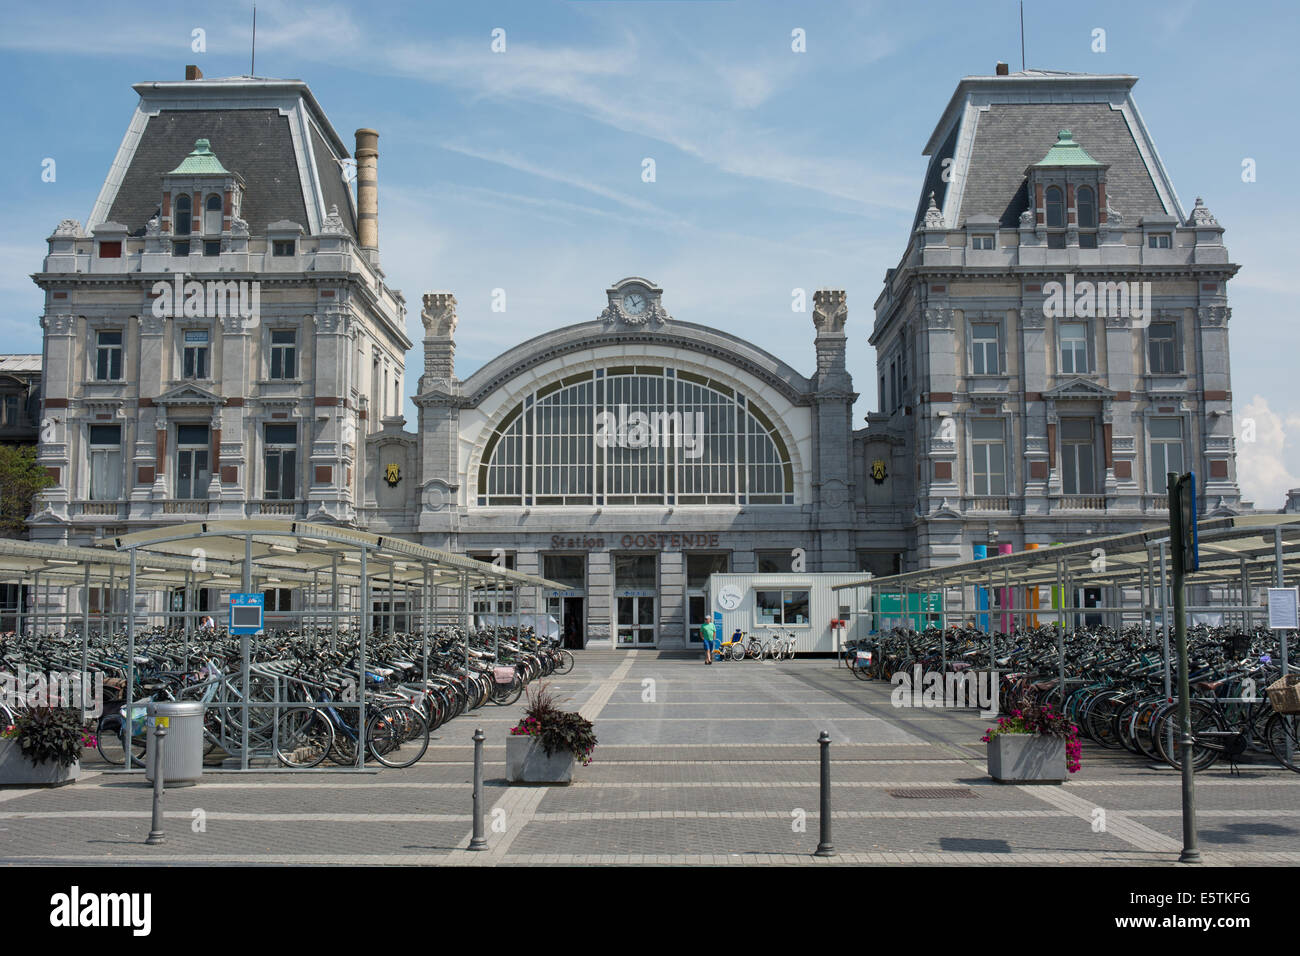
{"x": 1087, "y": 201}
{"x": 1055, "y": 208}
{"x": 182, "y": 226}
{"x": 212, "y": 216}
{"x": 638, "y": 436}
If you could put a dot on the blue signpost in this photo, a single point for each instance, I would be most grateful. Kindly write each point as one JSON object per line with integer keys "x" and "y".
{"x": 246, "y": 613}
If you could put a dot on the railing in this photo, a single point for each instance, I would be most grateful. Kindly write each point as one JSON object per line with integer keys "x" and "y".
{"x": 108, "y": 509}
{"x": 1079, "y": 503}
{"x": 987, "y": 503}
{"x": 185, "y": 506}
{"x": 288, "y": 507}
{"x": 1156, "y": 502}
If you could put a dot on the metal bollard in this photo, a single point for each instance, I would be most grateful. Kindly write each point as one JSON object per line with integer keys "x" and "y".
{"x": 825, "y": 847}
{"x": 159, "y": 734}
{"x": 479, "y": 841}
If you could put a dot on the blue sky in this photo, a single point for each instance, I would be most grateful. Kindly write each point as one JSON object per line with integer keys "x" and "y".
{"x": 774, "y": 170}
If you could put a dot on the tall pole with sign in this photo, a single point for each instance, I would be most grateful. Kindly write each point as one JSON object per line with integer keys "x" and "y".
{"x": 1183, "y": 545}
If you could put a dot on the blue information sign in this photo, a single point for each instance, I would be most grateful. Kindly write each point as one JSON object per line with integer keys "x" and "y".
{"x": 246, "y": 612}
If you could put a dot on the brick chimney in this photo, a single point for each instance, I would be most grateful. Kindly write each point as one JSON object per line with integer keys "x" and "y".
{"x": 1003, "y": 69}
{"x": 367, "y": 155}
{"x": 192, "y": 72}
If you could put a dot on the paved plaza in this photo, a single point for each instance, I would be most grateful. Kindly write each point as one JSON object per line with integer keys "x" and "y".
{"x": 695, "y": 764}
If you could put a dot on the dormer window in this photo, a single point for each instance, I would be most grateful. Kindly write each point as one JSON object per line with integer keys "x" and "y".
{"x": 984, "y": 242}
{"x": 184, "y": 224}
{"x": 212, "y": 216}
{"x": 1072, "y": 189}
{"x": 1159, "y": 240}
{"x": 1055, "y": 208}
{"x": 282, "y": 247}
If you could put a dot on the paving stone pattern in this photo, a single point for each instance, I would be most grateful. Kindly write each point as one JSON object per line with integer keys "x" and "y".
{"x": 696, "y": 765}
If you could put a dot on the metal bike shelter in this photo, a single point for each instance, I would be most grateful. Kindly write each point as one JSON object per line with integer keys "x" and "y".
{"x": 1239, "y": 555}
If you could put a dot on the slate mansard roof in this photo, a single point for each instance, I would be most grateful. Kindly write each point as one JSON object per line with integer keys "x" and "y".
{"x": 995, "y": 127}
{"x": 271, "y": 132}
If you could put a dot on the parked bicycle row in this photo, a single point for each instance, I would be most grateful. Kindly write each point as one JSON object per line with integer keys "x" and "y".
{"x": 775, "y": 646}
{"x": 302, "y": 699}
{"x": 1114, "y": 686}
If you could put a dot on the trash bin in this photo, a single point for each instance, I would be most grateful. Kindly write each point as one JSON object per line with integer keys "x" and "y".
{"x": 183, "y": 745}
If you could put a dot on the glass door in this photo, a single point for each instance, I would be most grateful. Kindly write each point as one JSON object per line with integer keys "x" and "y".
{"x": 636, "y": 621}
{"x": 192, "y": 474}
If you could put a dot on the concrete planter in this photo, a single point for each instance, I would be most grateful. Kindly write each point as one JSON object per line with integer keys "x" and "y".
{"x": 527, "y": 763}
{"x": 1027, "y": 758}
{"x": 17, "y": 770}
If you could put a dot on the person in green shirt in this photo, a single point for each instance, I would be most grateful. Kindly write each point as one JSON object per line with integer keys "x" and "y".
{"x": 707, "y": 635}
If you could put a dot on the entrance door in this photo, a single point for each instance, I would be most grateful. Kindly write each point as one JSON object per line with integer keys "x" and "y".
{"x": 568, "y": 615}
{"x": 192, "y": 473}
{"x": 636, "y": 621}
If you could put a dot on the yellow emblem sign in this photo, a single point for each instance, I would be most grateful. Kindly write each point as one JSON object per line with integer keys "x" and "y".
{"x": 392, "y": 475}
{"x": 878, "y": 472}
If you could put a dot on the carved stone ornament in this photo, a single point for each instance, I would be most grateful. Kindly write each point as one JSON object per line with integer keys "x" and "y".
{"x": 933, "y": 216}
{"x": 653, "y": 316}
{"x": 1113, "y": 216}
{"x": 439, "y": 315}
{"x": 1201, "y": 216}
{"x": 153, "y": 227}
{"x": 938, "y": 318}
{"x": 830, "y": 310}
{"x": 1214, "y": 314}
{"x": 70, "y": 228}
{"x": 238, "y": 228}
{"x": 332, "y": 225}
{"x": 1027, "y": 219}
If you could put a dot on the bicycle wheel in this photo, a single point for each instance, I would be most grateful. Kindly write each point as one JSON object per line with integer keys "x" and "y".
{"x": 506, "y": 694}
{"x": 1203, "y": 718}
{"x": 859, "y": 671}
{"x": 303, "y": 738}
{"x": 737, "y": 651}
{"x": 109, "y": 743}
{"x": 1280, "y": 730}
{"x": 398, "y": 736}
{"x": 566, "y": 663}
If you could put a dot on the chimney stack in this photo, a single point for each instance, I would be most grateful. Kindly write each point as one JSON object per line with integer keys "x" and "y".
{"x": 192, "y": 72}
{"x": 367, "y": 156}
{"x": 1002, "y": 69}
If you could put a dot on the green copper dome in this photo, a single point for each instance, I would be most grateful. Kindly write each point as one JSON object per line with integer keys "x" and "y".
{"x": 201, "y": 161}
{"x": 1066, "y": 152}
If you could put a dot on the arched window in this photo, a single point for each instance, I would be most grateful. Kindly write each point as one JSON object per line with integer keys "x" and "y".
{"x": 212, "y": 216}
{"x": 182, "y": 226}
{"x": 1087, "y": 208}
{"x": 1055, "y": 208}
{"x": 637, "y": 436}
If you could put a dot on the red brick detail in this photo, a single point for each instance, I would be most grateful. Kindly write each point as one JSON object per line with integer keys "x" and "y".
{"x": 934, "y": 397}
{"x": 322, "y": 402}
{"x": 166, "y": 214}
{"x": 361, "y": 415}
{"x": 943, "y": 470}
{"x": 53, "y": 473}
{"x": 274, "y": 415}
{"x": 1038, "y": 470}
{"x": 1166, "y": 409}
{"x": 1101, "y": 203}
{"x": 1215, "y": 396}
{"x": 160, "y": 450}
{"x": 60, "y": 295}
{"x": 230, "y": 474}
{"x": 235, "y": 402}
{"x": 1051, "y": 445}
{"x": 145, "y": 402}
{"x": 1106, "y": 429}
{"x": 228, "y": 209}
{"x": 1033, "y": 396}
{"x": 327, "y": 294}
{"x": 324, "y": 474}
{"x": 1040, "y": 214}
{"x": 104, "y": 417}
{"x": 938, "y": 288}
{"x": 1123, "y": 396}
{"x": 56, "y": 403}
{"x": 144, "y": 475}
{"x": 110, "y": 250}
{"x": 1209, "y": 287}
{"x": 1123, "y": 469}
{"x": 216, "y": 448}
{"x": 1218, "y": 468}
{"x": 983, "y": 411}
{"x": 1034, "y": 287}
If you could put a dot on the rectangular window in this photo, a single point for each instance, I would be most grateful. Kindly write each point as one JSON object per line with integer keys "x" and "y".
{"x": 10, "y": 411}
{"x": 1074, "y": 348}
{"x": 284, "y": 353}
{"x": 1166, "y": 436}
{"x": 108, "y": 356}
{"x": 1056, "y": 240}
{"x": 281, "y": 461}
{"x": 567, "y": 569}
{"x": 1162, "y": 348}
{"x": 985, "y": 353}
{"x": 700, "y": 566}
{"x": 774, "y": 562}
{"x": 105, "y": 462}
{"x": 1078, "y": 471}
{"x": 212, "y": 247}
{"x": 181, "y": 248}
{"x": 195, "y": 357}
{"x": 982, "y": 242}
{"x": 110, "y": 250}
{"x": 782, "y": 608}
{"x": 192, "y": 463}
{"x": 282, "y": 247}
{"x": 1159, "y": 240}
{"x": 1087, "y": 240}
{"x": 988, "y": 457}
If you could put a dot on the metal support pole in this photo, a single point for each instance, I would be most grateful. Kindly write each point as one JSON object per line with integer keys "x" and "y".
{"x": 426, "y": 597}
{"x": 1278, "y": 570}
{"x": 478, "y": 841}
{"x": 245, "y": 652}
{"x": 85, "y": 635}
{"x": 159, "y": 734}
{"x": 361, "y": 661}
{"x": 1190, "y": 854}
{"x": 464, "y": 612}
{"x": 334, "y": 589}
{"x": 824, "y": 846}
{"x": 130, "y": 664}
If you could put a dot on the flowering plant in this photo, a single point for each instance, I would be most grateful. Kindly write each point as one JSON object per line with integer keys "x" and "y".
{"x": 556, "y": 729}
{"x": 1045, "y": 722}
{"x": 51, "y": 733}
